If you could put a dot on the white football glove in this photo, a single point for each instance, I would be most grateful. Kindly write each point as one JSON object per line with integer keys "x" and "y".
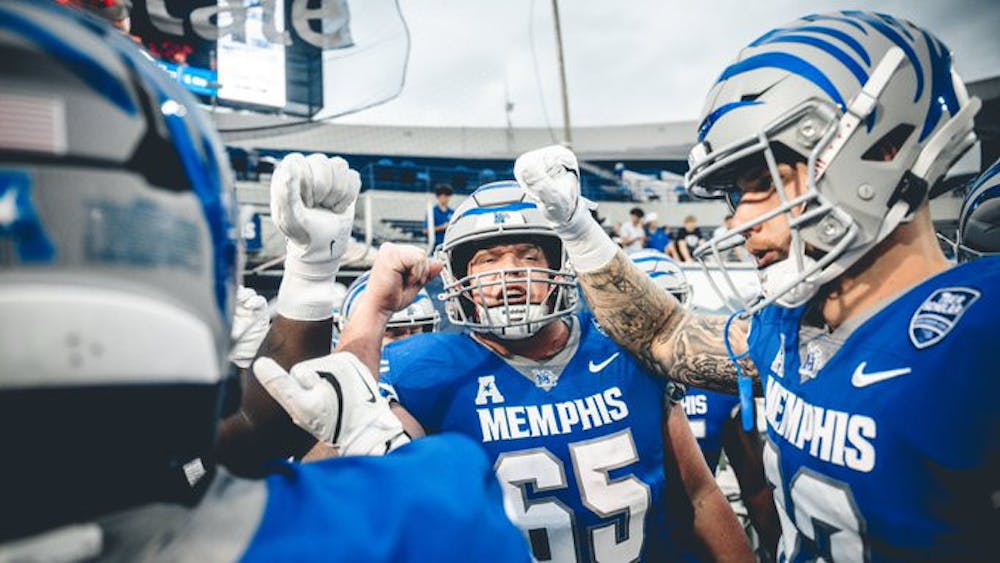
{"x": 337, "y": 401}
{"x": 250, "y": 325}
{"x": 551, "y": 177}
{"x": 312, "y": 204}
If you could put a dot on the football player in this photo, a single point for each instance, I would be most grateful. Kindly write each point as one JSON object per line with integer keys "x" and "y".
{"x": 120, "y": 269}
{"x": 571, "y": 423}
{"x": 715, "y": 417}
{"x": 979, "y": 220}
{"x": 874, "y": 356}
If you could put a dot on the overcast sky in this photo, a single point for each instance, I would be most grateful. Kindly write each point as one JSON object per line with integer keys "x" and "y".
{"x": 627, "y": 61}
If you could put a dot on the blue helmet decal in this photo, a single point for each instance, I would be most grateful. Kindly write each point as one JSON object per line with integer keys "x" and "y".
{"x": 828, "y": 17}
{"x": 791, "y": 63}
{"x": 890, "y": 33}
{"x": 712, "y": 118}
{"x": 943, "y": 97}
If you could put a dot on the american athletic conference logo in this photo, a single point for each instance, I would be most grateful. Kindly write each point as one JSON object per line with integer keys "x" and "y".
{"x": 939, "y": 314}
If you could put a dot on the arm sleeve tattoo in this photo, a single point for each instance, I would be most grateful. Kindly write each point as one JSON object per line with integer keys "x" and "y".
{"x": 668, "y": 340}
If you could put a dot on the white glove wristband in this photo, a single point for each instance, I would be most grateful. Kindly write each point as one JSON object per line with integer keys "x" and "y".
{"x": 588, "y": 246}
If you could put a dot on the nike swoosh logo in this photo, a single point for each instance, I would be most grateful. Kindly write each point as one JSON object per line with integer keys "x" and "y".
{"x": 594, "y": 368}
{"x": 862, "y": 379}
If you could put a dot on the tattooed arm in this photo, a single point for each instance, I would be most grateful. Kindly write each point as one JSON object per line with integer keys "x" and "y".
{"x": 668, "y": 340}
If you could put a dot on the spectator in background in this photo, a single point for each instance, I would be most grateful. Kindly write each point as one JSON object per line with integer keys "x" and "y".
{"x": 688, "y": 238}
{"x": 736, "y": 254}
{"x": 633, "y": 236}
{"x": 442, "y": 213}
{"x": 656, "y": 236}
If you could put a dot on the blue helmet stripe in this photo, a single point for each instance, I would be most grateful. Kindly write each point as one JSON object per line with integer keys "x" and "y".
{"x": 86, "y": 68}
{"x": 823, "y": 17}
{"x": 903, "y": 44}
{"x": 495, "y": 186}
{"x": 974, "y": 199}
{"x": 943, "y": 96}
{"x": 792, "y": 64}
{"x": 512, "y": 207}
{"x": 832, "y": 50}
{"x": 712, "y": 118}
{"x": 842, "y": 37}
{"x": 895, "y": 23}
{"x": 659, "y": 274}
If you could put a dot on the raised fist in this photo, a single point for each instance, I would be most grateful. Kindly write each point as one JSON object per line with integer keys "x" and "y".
{"x": 312, "y": 204}
{"x": 551, "y": 176}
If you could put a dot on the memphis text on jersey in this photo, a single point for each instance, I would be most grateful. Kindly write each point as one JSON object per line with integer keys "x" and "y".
{"x": 830, "y": 435}
{"x": 551, "y": 419}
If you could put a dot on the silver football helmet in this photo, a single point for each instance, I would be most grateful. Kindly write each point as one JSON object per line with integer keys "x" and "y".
{"x": 419, "y": 314}
{"x": 870, "y": 103}
{"x": 501, "y": 213}
{"x": 979, "y": 221}
{"x": 664, "y": 272}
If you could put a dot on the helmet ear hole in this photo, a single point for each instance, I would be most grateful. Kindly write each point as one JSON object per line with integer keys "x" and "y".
{"x": 886, "y": 148}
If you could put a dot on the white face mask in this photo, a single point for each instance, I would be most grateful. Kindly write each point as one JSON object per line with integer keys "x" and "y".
{"x": 501, "y": 316}
{"x": 777, "y": 276}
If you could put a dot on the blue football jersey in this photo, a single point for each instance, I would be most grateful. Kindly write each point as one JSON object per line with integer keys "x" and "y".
{"x": 579, "y": 455}
{"x": 388, "y": 509}
{"x": 708, "y": 412}
{"x": 888, "y": 451}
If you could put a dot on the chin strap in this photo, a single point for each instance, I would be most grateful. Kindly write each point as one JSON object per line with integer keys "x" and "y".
{"x": 744, "y": 383}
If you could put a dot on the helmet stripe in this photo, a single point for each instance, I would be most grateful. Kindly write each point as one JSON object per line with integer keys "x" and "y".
{"x": 943, "y": 97}
{"x": 712, "y": 118}
{"x": 828, "y": 48}
{"x": 512, "y": 207}
{"x": 819, "y": 17}
{"x": 903, "y": 44}
{"x": 788, "y": 62}
{"x": 842, "y": 37}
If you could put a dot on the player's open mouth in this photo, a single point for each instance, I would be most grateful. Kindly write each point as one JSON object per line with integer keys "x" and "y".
{"x": 765, "y": 258}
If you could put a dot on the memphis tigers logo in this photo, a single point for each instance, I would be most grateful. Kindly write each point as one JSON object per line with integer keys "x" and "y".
{"x": 939, "y": 313}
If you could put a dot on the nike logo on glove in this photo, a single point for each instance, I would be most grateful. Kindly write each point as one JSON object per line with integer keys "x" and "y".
{"x": 594, "y": 368}
{"x": 862, "y": 379}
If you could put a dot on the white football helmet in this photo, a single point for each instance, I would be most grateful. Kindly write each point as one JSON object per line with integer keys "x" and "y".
{"x": 979, "y": 221}
{"x": 871, "y": 104}
{"x": 664, "y": 272}
{"x": 419, "y": 314}
{"x": 501, "y": 213}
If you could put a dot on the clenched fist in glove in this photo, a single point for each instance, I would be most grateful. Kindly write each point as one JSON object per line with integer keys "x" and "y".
{"x": 250, "y": 325}
{"x": 312, "y": 204}
{"x": 551, "y": 176}
{"x": 336, "y": 399}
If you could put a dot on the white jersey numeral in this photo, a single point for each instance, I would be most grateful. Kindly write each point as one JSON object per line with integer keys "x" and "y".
{"x": 592, "y": 460}
{"x": 817, "y": 500}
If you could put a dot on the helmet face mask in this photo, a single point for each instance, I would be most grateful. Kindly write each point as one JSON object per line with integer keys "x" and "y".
{"x": 509, "y": 303}
{"x": 876, "y": 123}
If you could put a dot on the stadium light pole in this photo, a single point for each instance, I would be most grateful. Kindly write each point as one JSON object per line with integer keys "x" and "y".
{"x": 567, "y": 130}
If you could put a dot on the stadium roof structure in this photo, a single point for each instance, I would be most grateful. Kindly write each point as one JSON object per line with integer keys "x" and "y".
{"x": 652, "y": 141}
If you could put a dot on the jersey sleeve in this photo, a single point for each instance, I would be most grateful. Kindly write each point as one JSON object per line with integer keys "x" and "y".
{"x": 418, "y": 373}
{"x": 337, "y": 510}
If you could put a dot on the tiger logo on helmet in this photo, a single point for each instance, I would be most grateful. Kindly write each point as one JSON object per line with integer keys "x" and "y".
{"x": 501, "y": 213}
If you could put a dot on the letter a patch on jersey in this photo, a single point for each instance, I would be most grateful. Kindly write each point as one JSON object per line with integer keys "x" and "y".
{"x": 488, "y": 392}
{"x": 939, "y": 313}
